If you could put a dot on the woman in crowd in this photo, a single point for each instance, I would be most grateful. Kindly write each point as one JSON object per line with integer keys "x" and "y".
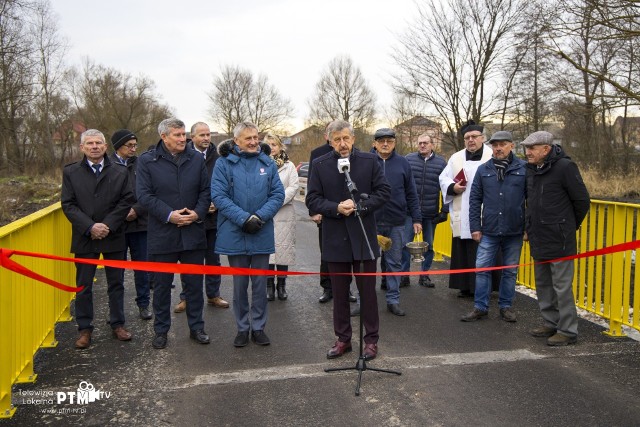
{"x": 284, "y": 221}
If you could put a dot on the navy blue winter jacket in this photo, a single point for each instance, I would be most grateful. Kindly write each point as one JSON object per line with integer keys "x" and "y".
{"x": 404, "y": 199}
{"x": 426, "y": 174}
{"x": 496, "y": 208}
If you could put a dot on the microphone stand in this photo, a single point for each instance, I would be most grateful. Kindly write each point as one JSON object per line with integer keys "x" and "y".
{"x": 361, "y": 363}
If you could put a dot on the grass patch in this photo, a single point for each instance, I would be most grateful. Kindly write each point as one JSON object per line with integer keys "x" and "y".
{"x": 609, "y": 186}
{"x": 23, "y": 195}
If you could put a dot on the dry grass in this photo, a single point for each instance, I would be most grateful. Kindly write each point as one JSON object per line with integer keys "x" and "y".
{"x": 23, "y": 195}
{"x": 608, "y": 186}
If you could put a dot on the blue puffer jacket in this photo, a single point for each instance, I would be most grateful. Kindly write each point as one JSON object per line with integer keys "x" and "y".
{"x": 501, "y": 203}
{"x": 404, "y": 200}
{"x": 426, "y": 174}
{"x": 244, "y": 184}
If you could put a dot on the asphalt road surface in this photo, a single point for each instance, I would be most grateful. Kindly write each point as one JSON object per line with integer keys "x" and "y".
{"x": 487, "y": 373}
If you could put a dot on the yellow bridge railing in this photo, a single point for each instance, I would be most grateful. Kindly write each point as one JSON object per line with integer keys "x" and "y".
{"x": 603, "y": 285}
{"x": 29, "y": 309}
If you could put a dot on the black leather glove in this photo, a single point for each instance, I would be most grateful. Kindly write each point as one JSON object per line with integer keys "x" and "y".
{"x": 253, "y": 224}
{"x": 441, "y": 217}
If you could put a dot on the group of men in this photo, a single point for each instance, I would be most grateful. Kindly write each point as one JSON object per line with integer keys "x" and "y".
{"x": 498, "y": 200}
{"x": 162, "y": 206}
{"x": 186, "y": 203}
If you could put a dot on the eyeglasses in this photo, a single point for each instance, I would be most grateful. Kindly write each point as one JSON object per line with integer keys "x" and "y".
{"x": 386, "y": 141}
{"x": 470, "y": 137}
{"x": 424, "y": 142}
{"x": 131, "y": 146}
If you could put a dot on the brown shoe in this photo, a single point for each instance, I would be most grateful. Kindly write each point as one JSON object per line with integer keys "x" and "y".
{"x": 338, "y": 349}
{"x": 561, "y": 340}
{"x": 180, "y": 307}
{"x": 370, "y": 351}
{"x": 217, "y": 302}
{"x": 85, "y": 339}
{"x": 543, "y": 331}
{"x": 122, "y": 334}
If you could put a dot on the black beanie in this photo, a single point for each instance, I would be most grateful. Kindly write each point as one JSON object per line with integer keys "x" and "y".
{"x": 470, "y": 126}
{"x": 121, "y": 136}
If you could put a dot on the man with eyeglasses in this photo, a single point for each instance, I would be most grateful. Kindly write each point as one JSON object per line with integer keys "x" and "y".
{"x": 125, "y": 144}
{"x": 390, "y": 218}
{"x": 96, "y": 198}
{"x": 455, "y": 184}
{"x": 426, "y": 167}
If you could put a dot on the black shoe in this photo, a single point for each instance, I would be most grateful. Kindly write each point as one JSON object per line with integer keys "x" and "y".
{"x": 242, "y": 339}
{"x": 465, "y": 294}
{"x": 395, "y": 309}
{"x": 426, "y": 282}
{"x": 200, "y": 336}
{"x": 145, "y": 313}
{"x": 352, "y": 298}
{"x": 260, "y": 338}
{"x": 271, "y": 290}
{"x": 326, "y": 296}
{"x": 160, "y": 341}
{"x": 474, "y": 315}
{"x": 405, "y": 281}
{"x": 356, "y": 311}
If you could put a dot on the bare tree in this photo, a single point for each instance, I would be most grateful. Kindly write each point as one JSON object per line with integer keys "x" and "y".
{"x": 108, "y": 99}
{"x": 343, "y": 93}
{"x": 451, "y": 57}
{"x": 237, "y": 95}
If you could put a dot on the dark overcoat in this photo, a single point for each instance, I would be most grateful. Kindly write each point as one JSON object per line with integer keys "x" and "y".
{"x": 557, "y": 203}
{"x": 140, "y": 223}
{"x": 211, "y": 220}
{"x": 87, "y": 200}
{"x": 342, "y": 238}
{"x": 165, "y": 184}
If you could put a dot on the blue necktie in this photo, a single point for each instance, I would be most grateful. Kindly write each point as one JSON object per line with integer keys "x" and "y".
{"x": 97, "y": 167}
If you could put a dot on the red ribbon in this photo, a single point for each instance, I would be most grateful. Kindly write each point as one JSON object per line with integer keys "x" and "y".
{"x": 161, "y": 267}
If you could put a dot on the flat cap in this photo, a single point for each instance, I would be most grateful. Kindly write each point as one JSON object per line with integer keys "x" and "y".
{"x": 501, "y": 135}
{"x": 384, "y": 133}
{"x": 538, "y": 138}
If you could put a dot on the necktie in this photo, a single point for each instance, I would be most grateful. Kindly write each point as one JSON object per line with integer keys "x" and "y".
{"x": 97, "y": 169}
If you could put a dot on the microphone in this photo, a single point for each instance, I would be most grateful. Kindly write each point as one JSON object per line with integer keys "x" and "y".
{"x": 344, "y": 165}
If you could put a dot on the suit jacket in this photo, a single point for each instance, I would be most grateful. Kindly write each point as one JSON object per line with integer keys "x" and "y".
{"x": 342, "y": 238}
{"x": 211, "y": 220}
{"x": 87, "y": 200}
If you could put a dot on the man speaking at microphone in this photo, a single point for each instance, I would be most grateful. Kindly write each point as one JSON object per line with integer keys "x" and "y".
{"x": 344, "y": 246}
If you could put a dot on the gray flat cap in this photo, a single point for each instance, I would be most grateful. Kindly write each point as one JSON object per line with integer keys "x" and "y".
{"x": 538, "y": 138}
{"x": 501, "y": 135}
{"x": 384, "y": 133}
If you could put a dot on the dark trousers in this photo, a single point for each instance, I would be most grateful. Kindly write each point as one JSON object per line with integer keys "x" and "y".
{"x": 115, "y": 289}
{"x": 211, "y": 281}
{"x": 368, "y": 299}
{"x": 325, "y": 280}
{"x": 162, "y": 291}
{"x": 137, "y": 246}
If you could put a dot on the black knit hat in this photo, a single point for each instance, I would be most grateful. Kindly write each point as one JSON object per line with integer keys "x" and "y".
{"x": 470, "y": 126}
{"x": 121, "y": 136}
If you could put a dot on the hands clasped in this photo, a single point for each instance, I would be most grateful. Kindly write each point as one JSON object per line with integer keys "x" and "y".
{"x": 182, "y": 217}
{"x": 253, "y": 224}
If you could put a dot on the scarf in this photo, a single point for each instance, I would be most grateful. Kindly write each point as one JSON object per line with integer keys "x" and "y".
{"x": 281, "y": 159}
{"x": 501, "y": 165}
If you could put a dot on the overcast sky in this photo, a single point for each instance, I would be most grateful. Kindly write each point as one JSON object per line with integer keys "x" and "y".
{"x": 182, "y": 44}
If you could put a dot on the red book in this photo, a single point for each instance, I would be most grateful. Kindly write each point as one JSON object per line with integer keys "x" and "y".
{"x": 460, "y": 178}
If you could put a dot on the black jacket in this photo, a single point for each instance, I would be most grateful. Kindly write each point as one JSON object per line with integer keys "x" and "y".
{"x": 140, "y": 223}
{"x": 342, "y": 239}
{"x": 164, "y": 185}
{"x": 557, "y": 202}
{"x": 87, "y": 200}
{"x": 315, "y": 153}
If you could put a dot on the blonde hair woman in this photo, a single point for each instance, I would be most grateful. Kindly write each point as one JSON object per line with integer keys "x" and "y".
{"x": 284, "y": 221}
